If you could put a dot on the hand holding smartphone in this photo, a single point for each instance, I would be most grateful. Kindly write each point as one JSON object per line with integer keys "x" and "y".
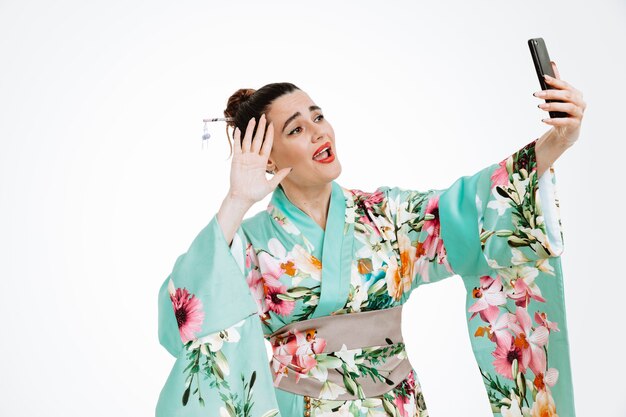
{"x": 541, "y": 59}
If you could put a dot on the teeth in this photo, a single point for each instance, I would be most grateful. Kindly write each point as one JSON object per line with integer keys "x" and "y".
{"x": 322, "y": 151}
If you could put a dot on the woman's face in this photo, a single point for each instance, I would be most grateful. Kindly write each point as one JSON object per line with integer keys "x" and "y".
{"x": 300, "y": 131}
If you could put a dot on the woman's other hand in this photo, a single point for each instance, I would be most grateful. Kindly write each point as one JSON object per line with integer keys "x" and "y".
{"x": 248, "y": 182}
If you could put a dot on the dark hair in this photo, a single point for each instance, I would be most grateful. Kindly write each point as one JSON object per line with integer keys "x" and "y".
{"x": 247, "y": 103}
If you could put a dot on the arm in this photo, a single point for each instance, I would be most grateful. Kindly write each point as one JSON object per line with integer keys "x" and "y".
{"x": 548, "y": 149}
{"x": 231, "y": 214}
{"x": 208, "y": 321}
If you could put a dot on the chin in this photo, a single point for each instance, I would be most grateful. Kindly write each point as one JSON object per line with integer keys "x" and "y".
{"x": 321, "y": 175}
{"x": 334, "y": 173}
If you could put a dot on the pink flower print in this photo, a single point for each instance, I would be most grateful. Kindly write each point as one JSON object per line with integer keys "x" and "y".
{"x": 295, "y": 351}
{"x": 366, "y": 220}
{"x": 422, "y": 264}
{"x": 531, "y": 343}
{"x": 373, "y": 199}
{"x": 498, "y": 329}
{"x": 541, "y": 318}
{"x": 549, "y": 379}
{"x": 367, "y": 206}
{"x": 307, "y": 346}
{"x": 368, "y": 200}
{"x": 256, "y": 282}
{"x": 270, "y": 269}
{"x": 505, "y": 354}
{"x": 400, "y": 401}
{"x": 522, "y": 293}
{"x": 275, "y": 303}
{"x": 489, "y": 296}
{"x": 188, "y": 311}
{"x": 410, "y": 382}
{"x": 520, "y": 284}
{"x": 408, "y": 386}
{"x": 433, "y": 244}
{"x": 500, "y": 176}
{"x": 251, "y": 258}
{"x": 257, "y": 289}
{"x": 268, "y": 279}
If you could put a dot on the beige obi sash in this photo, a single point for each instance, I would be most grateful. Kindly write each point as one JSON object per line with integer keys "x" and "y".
{"x": 341, "y": 357}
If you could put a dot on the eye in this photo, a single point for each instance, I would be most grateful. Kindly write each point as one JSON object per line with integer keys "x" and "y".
{"x": 321, "y": 116}
{"x": 290, "y": 133}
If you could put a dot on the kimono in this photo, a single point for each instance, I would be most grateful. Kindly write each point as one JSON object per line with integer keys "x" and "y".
{"x": 499, "y": 229}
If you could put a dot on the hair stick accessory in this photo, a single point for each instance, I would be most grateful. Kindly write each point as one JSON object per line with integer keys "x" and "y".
{"x": 206, "y": 135}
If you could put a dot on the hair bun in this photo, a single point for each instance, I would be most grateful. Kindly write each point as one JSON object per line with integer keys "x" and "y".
{"x": 235, "y": 101}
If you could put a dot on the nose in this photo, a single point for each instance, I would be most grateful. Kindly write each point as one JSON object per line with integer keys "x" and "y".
{"x": 318, "y": 134}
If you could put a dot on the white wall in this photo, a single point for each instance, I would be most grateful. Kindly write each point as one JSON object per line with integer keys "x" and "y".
{"x": 103, "y": 182}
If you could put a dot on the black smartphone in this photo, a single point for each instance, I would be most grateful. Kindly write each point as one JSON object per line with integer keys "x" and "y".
{"x": 541, "y": 59}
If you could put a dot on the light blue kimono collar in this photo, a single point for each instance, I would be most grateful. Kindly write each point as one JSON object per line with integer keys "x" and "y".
{"x": 336, "y": 244}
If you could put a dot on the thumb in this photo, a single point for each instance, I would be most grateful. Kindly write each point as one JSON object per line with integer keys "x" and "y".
{"x": 556, "y": 71}
{"x": 279, "y": 176}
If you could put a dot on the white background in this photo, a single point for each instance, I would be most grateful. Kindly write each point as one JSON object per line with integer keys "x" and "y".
{"x": 104, "y": 182}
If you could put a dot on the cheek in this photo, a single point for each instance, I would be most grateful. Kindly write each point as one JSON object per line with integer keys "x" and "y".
{"x": 293, "y": 156}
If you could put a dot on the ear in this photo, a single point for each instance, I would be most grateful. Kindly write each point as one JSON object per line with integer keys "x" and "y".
{"x": 270, "y": 166}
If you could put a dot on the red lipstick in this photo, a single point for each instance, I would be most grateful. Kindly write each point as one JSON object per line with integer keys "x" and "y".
{"x": 325, "y": 147}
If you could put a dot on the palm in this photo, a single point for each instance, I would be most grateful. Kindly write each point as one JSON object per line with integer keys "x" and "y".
{"x": 247, "y": 173}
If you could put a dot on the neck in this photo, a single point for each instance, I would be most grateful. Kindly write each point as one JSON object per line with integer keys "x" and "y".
{"x": 314, "y": 200}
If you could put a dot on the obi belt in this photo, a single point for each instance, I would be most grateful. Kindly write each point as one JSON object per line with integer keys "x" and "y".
{"x": 341, "y": 357}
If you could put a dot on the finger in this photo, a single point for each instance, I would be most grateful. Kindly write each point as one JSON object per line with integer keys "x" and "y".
{"x": 247, "y": 138}
{"x": 269, "y": 139}
{"x": 562, "y": 121}
{"x": 569, "y": 108}
{"x": 279, "y": 176}
{"x": 258, "y": 137}
{"x": 237, "y": 140}
{"x": 565, "y": 95}
{"x": 556, "y": 71}
{"x": 556, "y": 82}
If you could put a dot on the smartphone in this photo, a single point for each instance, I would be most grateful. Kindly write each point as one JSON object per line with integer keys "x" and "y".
{"x": 541, "y": 59}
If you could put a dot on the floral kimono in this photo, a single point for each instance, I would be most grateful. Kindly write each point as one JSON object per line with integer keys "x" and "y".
{"x": 281, "y": 322}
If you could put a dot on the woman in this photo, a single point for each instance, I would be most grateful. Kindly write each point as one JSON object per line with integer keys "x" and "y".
{"x": 323, "y": 272}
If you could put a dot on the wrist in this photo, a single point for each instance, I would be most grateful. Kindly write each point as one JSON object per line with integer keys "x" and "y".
{"x": 236, "y": 201}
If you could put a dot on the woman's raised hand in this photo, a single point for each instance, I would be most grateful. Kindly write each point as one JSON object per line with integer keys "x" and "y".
{"x": 247, "y": 172}
{"x": 570, "y": 101}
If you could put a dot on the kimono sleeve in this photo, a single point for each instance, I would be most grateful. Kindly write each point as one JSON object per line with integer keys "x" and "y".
{"x": 500, "y": 230}
{"x": 501, "y": 216}
{"x": 503, "y": 234}
{"x": 504, "y": 215}
{"x": 207, "y": 319}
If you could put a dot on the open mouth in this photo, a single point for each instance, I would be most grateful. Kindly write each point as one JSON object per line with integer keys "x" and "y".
{"x": 324, "y": 153}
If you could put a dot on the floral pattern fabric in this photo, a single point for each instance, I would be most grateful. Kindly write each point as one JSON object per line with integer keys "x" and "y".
{"x": 499, "y": 229}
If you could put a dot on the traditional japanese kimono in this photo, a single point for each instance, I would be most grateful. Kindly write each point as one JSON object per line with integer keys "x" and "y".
{"x": 293, "y": 320}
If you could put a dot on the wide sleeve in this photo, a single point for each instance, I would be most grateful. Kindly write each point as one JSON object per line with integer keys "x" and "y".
{"x": 207, "y": 319}
{"x": 503, "y": 215}
{"x": 503, "y": 234}
{"x": 500, "y": 230}
{"x": 499, "y": 217}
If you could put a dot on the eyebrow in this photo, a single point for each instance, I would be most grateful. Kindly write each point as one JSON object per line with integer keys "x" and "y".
{"x": 296, "y": 114}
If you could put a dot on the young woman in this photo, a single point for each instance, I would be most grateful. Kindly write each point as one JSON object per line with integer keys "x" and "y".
{"x": 321, "y": 276}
